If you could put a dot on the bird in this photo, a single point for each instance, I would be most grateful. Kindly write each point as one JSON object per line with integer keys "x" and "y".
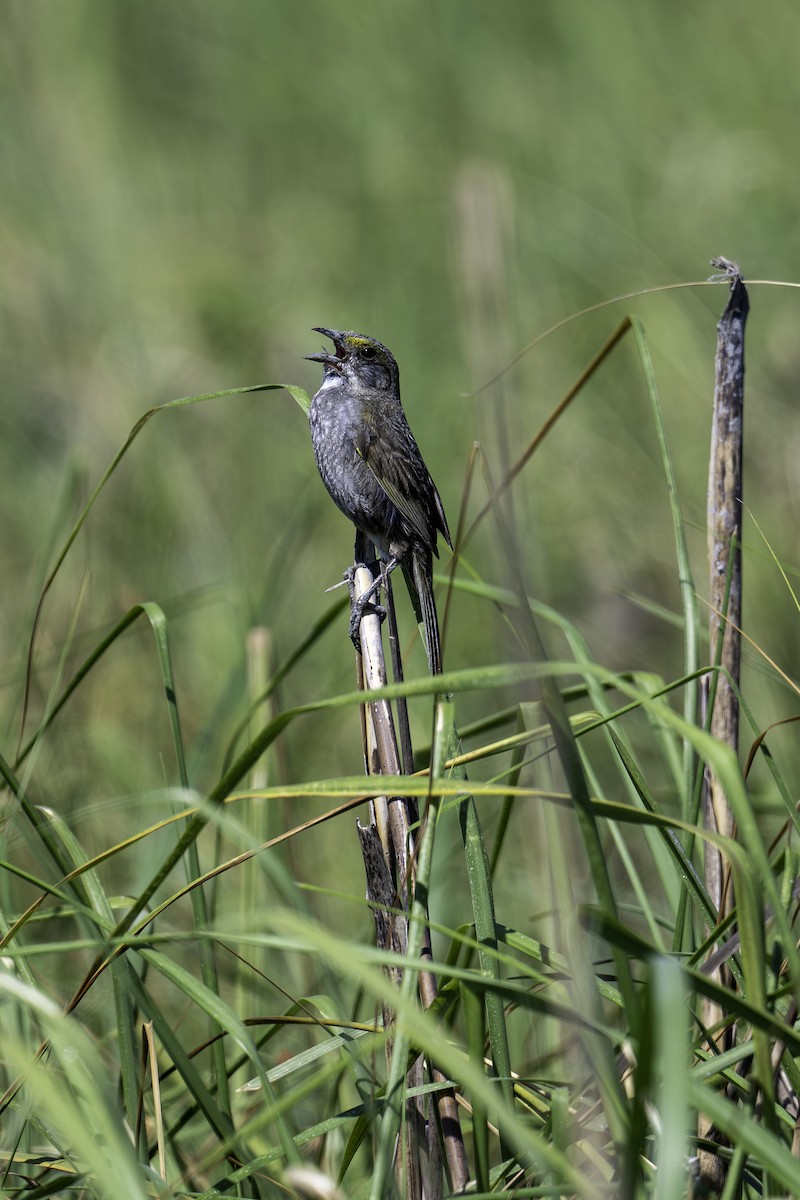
{"x": 372, "y": 467}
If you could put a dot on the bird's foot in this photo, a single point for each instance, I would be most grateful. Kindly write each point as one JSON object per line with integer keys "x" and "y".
{"x": 362, "y": 605}
{"x": 361, "y": 608}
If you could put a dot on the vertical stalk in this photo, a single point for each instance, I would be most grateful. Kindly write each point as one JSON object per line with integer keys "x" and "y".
{"x": 724, "y": 521}
{"x": 390, "y": 851}
{"x": 724, "y": 532}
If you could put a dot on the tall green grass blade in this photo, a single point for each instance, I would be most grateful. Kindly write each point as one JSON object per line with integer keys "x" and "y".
{"x": 200, "y": 908}
{"x": 75, "y": 1099}
{"x": 671, "y": 1057}
{"x": 124, "y": 1025}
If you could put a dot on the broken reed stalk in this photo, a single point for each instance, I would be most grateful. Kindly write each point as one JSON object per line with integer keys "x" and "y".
{"x": 724, "y": 531}
{"x": 724, "y": 527}
{"x": 389, "y": 818}
{"x": 387, "y": 847}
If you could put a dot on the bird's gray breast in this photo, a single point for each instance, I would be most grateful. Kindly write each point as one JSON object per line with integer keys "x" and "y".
{"x": 336, "y": 424}
{"x": 337, "y": 432}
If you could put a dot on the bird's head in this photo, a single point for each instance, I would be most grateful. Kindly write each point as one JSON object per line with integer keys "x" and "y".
{"x": 362, "y": 363}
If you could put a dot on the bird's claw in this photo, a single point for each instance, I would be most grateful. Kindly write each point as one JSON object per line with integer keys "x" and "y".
{"x": 361, "y": 608}
{"x": 363, "y": 605}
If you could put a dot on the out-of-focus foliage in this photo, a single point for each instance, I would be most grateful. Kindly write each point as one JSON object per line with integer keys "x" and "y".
{"x": 187, "y": 188}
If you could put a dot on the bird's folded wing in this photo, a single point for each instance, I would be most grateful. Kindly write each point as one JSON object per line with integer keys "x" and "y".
{"x": 397, "y": 475}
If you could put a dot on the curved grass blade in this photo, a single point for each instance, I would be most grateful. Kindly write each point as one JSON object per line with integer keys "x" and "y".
{"x": 181, "y": 402}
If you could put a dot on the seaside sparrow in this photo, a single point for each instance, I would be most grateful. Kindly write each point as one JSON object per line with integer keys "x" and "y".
{"x": 372, "y": 467}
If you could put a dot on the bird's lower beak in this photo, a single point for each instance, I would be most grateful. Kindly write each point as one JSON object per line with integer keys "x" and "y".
{"x": 330, "y": 360}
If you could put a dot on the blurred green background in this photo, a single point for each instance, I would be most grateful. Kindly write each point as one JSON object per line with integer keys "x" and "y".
{"x": 188, "y": 187}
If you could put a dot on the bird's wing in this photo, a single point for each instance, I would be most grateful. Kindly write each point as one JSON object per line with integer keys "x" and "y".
{"x": 404, "y": 477}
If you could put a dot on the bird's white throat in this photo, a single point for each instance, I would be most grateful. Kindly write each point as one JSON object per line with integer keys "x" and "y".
{"x": 328, "y": 382}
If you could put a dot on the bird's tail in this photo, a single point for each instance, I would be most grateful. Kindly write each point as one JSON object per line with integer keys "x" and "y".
{"x": 419, "y": 580}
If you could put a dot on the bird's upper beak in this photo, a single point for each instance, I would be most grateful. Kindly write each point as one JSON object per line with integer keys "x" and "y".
{"x": 330, "y": 360}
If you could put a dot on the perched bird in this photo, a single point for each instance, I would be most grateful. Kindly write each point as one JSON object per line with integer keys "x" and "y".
{"x": 372, "y": 467}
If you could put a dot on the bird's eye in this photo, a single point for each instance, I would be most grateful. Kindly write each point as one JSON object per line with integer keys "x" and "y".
{"x": 368, "y": 352}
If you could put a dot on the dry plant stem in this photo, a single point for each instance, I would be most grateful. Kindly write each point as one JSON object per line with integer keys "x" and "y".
{"x": 724, "y": 530}
{"x": 724, "y": 518}
{"x": 381, "y": 758}
{"x": 387, "y": 847}
{"x": 386, "y": 850}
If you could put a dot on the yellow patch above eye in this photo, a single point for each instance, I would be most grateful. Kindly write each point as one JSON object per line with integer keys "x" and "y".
{"x": 358, "y": 341}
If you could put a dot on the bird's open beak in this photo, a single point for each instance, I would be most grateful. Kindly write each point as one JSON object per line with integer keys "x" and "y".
{"x": 330, "y": 360}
